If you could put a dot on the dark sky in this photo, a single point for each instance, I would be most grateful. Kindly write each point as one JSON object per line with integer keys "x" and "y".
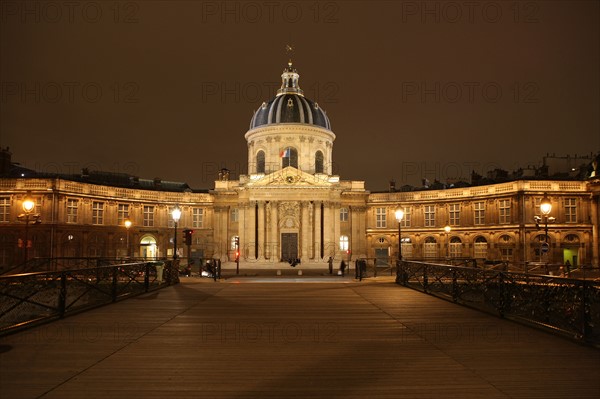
{"x": 413, "y": 89}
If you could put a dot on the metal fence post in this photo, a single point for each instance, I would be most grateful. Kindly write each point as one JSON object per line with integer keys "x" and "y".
{"x": 454, "y": 286}
{"x": 147, "y": 276}
{"x": 62, "y": 297}
{"x": 587, "y": 314}
{"x": 115, "y": 270}
{"x": 425, "y": 282}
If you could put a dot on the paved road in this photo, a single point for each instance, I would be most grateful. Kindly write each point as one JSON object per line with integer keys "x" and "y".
{"x": 243, "y": 338}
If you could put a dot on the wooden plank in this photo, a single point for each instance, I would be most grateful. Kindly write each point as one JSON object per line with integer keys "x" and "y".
{"x": 320, "y": 340}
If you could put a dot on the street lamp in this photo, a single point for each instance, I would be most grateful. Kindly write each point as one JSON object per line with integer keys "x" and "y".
{"x": 28, "y": 208}
{"x": 399, "y": 216}
{"x": 127, "y": 224}
{"x": 545, "y": 209}
{"x": 176, "y": 214}
{"x": 447, "y": 229}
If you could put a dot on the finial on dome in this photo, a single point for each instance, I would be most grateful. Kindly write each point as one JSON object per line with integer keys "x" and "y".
{"x": 289, "y": 78}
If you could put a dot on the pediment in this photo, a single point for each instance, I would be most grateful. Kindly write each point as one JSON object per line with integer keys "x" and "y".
{"x": 292, "y": 178}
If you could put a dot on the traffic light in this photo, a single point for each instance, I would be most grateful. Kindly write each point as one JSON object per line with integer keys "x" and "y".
{"x": 187, "y": 236}
{"x": 237, "y": 248}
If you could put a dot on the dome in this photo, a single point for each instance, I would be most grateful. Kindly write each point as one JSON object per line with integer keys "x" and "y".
{"x": 290, "y": 105}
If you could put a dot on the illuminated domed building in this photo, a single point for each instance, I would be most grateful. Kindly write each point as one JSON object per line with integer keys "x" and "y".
{"x": 291, "y": 207}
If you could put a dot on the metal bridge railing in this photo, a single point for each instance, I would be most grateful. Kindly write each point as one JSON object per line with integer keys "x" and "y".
{"x": 33, "y": 298}
{"x": 564, "y": 305}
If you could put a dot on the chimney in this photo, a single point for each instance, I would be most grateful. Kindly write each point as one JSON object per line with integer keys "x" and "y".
{"x": 5, "y": 161}
{"x": 392, "y": 186}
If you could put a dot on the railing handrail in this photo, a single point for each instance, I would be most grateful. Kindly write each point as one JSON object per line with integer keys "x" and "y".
{"x": 570, "y": 306}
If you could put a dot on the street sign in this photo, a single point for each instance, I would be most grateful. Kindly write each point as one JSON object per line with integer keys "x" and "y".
{"x": 545, "y": 248}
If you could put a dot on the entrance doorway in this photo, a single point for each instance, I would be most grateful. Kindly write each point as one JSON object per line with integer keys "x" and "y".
{"x": 383, "y": 256}
{"x": 289, "y": 246}
{"x": 148, "y": 247}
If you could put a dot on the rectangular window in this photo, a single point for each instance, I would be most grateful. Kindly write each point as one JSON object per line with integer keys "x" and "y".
{"x": 72, "y": 207}
{"x": 429, "y": 211}
{"x": 380, "y": 217}
{"x": 479, "y": 213}
{"x": 122, "y": 213}
{"x": 97, "y": 212}
{"x": 506, "y": 254}
{"x": 454, "y": 214}
{"x": 570, "y": 210}
{"x": 149, "y": 216}
{"x": 197, "y": 217}
{"x": 4, "y": 209}
{"x": 504, "y": 211}
{"x": 343, "y": 214}
{"x": 235, "y": 215}
{"x": 407, "y": 217}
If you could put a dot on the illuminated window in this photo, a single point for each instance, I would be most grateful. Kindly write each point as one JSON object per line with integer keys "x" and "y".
{"x": 97, "y": 212}
{"x": 406, "y": 219}
{"x": 504, "y": 211}
{"x": 570, "y": 210}
{"x": 480, "y": 248}
{"x": 455, "y": 247}
{"x": 122, "y": 213}
{"x": 454, "y": 214}
{"x": 72, "y": 208}
{"x": 430, "y": 248}
{"x": 429, "y": 212}
{"x": 4, "y": 209}
{"x": 197, "y": 217}
{"x": 479, "y": 208}
{"x": 343, "y": 243}
{"x": 149, "y": 216}
{"x": 235, "y": 215}
{"x": 380, "y": 217}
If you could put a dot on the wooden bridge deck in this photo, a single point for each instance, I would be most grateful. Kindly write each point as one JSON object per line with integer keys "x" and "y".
{"x": 245, "y": 339}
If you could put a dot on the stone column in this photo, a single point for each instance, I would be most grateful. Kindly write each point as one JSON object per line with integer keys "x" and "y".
{"x": 274, "y": 236}
{"x": 242, "y": 222}
{"x": 335, "y": 210}
{"x": 304, "y": 236}
{"x": 317, "y": 230}
{"x": 261, "y": 230}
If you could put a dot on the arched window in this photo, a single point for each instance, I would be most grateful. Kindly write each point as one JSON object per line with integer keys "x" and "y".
{"x": 480, "y": 248}
{"x": 430, "y": 248}
{"x": 289, "y": 157}
{"x": 318, "y": 162}
{"x": 455, "y": 247}
{"x": 260, "y": 162}
{"x": 407, "y": 247}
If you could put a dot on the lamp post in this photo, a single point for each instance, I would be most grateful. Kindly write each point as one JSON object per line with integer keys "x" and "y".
{"x": 127, "y": 224}
{"x": 447, "y": 229}
{"x": 545, "y": 209}
{"x": 399, "y": 216}
{"x": 176, "y": 214}
{"x": 28, "y": 207}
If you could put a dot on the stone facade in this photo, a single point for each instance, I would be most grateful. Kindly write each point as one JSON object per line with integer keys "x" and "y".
{"x": 291, "y": 206}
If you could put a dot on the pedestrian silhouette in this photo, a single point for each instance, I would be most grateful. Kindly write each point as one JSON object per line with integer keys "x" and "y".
{"x": 342, "y": 267}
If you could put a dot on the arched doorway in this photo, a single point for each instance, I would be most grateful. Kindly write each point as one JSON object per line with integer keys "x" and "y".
{"x": 148, "y": 248}
{"x": 571, "y": 247}
{"x": 430, "y": 248}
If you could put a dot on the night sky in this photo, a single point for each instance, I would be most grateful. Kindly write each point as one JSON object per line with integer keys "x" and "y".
{"x": 413, "y": 89}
